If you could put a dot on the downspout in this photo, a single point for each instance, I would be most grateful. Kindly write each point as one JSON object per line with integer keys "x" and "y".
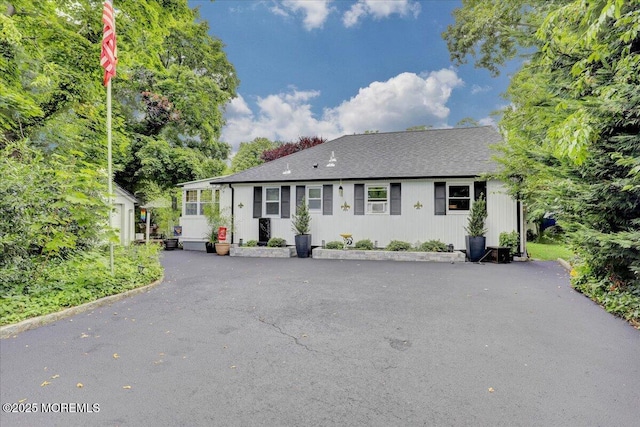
{"x": 232, "y": 211}
{"x": 519, "y": 222}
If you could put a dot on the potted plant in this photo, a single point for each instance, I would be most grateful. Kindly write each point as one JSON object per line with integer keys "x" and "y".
{"x": 222, "y": 247}
{"x": 166, "y": 218}
{"x": 511, "y": 241}
{"x": 300, "y": 226}
{"x": 212, "y": 239}
{"x": 217, "y": 219}
{"x": 476, "y": 229}
{"x": 224, "y": 222}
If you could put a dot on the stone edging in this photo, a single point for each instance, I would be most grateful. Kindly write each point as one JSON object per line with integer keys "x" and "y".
{"x": 565, "y": 264}
{"x": 320, "y": 253}
{"x": 35, "y": 322}
{"x": 263, "y": 251}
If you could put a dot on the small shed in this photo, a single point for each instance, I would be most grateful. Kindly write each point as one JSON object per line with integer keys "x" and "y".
{"x": 123, "y": 215}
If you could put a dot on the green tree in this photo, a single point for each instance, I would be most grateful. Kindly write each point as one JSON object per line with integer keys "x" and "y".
{"x": 249, "y": 153}
{"x": 173, "y": 80}
{"x": 494, "y": 32}
{"x": 467, "y": 122}
{"x": 172, "y": 84}
{"x": 572, "y": 132}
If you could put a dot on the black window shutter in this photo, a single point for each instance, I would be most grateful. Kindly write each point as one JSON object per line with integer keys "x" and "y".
{"x": 479, "y": 187}
{"x": 300, "y": 189}
{"x": 358, "y": 202}
{"x": 257, "y": 202}
{"x": 285, "y": 201}
{"x": 440, "y": 191}
{"x": 327, "y": 199}
{"x": 396, "y": 199}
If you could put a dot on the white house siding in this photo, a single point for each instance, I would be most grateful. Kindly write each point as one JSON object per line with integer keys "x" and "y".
{"x": 123, "y": 220}
{"x": 195, "y": 227}
{"x": 413, "y": 225}
{"x": 502, "y": 214}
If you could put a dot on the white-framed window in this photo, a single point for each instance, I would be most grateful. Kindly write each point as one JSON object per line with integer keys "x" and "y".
{"x": 196, "y": 201}
{"x": 314, "y": 199}
{"x": 377, "y": 199}
{"x": 459, "y": 197}
{"x": 206, "y": 200}
{"x": 191, "y": 202}
{"x": 272, "y": 201}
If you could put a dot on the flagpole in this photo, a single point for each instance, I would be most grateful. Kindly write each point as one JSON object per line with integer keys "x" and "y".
{"x": 110, "y": 173}
{"x": 108, "y": 60}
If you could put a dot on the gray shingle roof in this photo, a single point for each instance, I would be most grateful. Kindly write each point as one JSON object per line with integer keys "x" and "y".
{"x": 458, "y": 152}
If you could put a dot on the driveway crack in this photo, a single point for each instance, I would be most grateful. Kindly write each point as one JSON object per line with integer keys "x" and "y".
{"x": 294, "y": 338}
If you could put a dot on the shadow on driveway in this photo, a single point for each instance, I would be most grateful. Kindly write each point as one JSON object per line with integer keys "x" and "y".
{"x": 248, "y": 341}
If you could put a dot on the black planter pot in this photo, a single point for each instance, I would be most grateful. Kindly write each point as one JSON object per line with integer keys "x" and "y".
{"x": 303, "y": 245}
{"x": 211, "y": 247}
{"x": 476, "y": 247}
{"x": 170, "y": 244}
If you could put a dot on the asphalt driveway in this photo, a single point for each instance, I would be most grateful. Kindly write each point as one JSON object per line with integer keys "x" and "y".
{"x": 301, "y": 342}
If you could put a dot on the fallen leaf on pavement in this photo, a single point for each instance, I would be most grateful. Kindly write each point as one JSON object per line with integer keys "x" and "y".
{"x": 44, "y": 383}
{"x": 79, "y": 385}
{"x": 126, "y": 387}
{"x": 116, "y": 355}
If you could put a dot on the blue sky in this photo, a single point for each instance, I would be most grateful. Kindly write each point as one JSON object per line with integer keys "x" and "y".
{"x": 335, "y": 67}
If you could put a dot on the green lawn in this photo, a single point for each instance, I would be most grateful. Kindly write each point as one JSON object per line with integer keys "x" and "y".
{"x": 548, "y": 251}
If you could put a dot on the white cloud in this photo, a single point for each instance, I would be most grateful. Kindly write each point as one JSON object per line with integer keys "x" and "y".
{"x": 488, "y": 121}
{"x": 281, "y": 117}
{"x": 379, "y": 9}
{"x": 315, "y": 12}
{"x": 400, "y": 102}
{"x": 476, "y": 89}
{"x": 403, "y": 101}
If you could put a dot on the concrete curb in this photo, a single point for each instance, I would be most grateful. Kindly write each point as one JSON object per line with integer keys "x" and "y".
{"x": 35, "y": 322}
{"x": 362, "y": 255}
{"x": 565, "y": 264}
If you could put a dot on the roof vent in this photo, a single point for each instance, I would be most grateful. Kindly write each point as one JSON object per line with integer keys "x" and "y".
{"x": 332, "y": 160}
{"x": 287, "y": 171}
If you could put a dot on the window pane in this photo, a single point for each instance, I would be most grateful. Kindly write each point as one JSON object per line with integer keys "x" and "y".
{"x": 379, "y": 193}
{"x": 273, "y": 208}
{"x": 315, "y": 204}
{"x": 205, "y": 196}
{"x": 191, "y": 209}
{"x": 204, "y": 207}
{"x": 458, "y": 204}
{"x": 459, "y": 191}
{"x": 273, "y": 194}
{"x": 315, "y": 193}
{"x": 192, "y": 196}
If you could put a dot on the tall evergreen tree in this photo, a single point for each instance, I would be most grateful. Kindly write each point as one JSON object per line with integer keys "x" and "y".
{"x": 572, "y": 131}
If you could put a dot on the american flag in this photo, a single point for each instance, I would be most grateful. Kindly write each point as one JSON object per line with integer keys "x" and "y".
{"x": 109, "y": 55}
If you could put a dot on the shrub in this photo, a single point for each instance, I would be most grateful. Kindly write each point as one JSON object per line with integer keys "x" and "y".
{"x": 477, "y": 218}
{"x": 510, "y": 240}
{"x": 366, "y": 245}
{"x": 553, "y": 233}
{"x": 301, "y": 219}
{"x": 276, "y": 242}
{"x": 81, "y": 277}
{"x": 432, "y": 246}
{"x": 334, "y": 245}
{"x": 251, "y": 243}
{"x": 398, "y": 245}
